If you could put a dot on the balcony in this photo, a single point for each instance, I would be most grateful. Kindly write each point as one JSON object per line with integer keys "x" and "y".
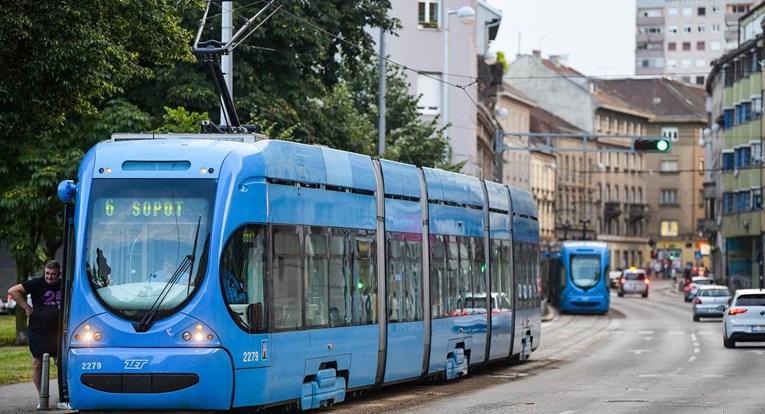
{"x": 637, "y": 212}
{"x": 612, "y": 209}
{"x": 710, "y": 191}
{"x": 707, "y": 226}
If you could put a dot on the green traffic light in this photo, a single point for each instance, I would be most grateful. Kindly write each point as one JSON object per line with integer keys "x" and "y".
{"x": 662, "y": 145}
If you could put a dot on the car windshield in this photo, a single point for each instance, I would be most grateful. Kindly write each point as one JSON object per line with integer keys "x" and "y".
{"x": 141, "y": 240}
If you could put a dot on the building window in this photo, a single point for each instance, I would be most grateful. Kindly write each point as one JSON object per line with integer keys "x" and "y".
{"x": 687, "y": 12}
{"x": 669, "y": 196}
{"x": 671, "y": 46}
{"x": 701, "y": 28}
{"x": 668, "y": 228}
{"x": 702, "y": 165}
{"x": 669, "y": 164}
{"x": 756, "y": 107}
{"x": 427, "y": 17}
{"x": 714, "y": 45}
{"x": 701, "y": 11}
{"x": 699, "y": 80}
{"x": 727, "y": 160}
{"x": 701, "y": 63}
{"x": 671, "y": 133}
{"x": 429, "y": 89}
{"x": 700, "y": 45}
{"x": 672, "y": 29}
{"x": 715, "y": 27}
{"x": 755, "y": 152}
{"x": 686, "y": 46}
{"x": 756, "y": 198}
{"x": 687, "y": 29}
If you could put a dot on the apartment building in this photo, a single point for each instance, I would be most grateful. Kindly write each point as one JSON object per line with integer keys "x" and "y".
{"x": 681, "y": 38}
{"x": 440, "y": 43}
{"x": 735, "y": 219}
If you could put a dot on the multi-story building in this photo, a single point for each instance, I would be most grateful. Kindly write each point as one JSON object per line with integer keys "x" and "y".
{"x": 441, "y": 43}
{"x": 734, "y": 188}
{"x": 674, "y": 201}
{"x": 610, "y": 178}
{"x": 680, "y": 38}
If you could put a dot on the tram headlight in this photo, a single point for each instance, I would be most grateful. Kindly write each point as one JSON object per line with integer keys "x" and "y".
{"x": 88, "y": 334}
{"x": 199, "y": 334}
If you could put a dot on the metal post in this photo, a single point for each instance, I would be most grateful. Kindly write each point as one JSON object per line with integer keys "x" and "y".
{"x": 381, "y": 98}
{"x": 44, "y": 383}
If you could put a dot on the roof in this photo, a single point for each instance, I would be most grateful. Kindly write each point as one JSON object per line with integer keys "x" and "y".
{"x": 663, "y": 97}
{"x": 544, "y": 121}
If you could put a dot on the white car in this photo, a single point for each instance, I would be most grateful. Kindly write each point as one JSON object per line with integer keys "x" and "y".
{"x": 744, "y": 319}
{"x": 633, "y": 281}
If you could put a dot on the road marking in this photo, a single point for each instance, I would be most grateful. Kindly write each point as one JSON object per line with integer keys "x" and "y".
{"x": 638, "y": 351}
{"x": 693, "y": 337}
{"x": 645, "y": 332}
{"x": 691, "y": 359}
{"x": 756, "y": 352}
{"x": 696, "y": 350}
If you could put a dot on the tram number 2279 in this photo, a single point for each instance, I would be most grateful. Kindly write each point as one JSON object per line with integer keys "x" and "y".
{"x": 250, "y": 356}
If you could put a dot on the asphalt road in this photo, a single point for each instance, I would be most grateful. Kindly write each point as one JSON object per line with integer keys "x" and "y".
{"x": 645, "y": 356}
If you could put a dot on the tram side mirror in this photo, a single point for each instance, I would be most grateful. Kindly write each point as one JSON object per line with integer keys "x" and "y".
{"x": 255, "y": 313}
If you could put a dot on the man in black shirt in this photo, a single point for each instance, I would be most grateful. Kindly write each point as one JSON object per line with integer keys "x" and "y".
{"x": 42, "y": 330}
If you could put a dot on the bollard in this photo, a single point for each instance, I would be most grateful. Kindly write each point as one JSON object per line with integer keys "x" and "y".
{"x": 44, "y": 383}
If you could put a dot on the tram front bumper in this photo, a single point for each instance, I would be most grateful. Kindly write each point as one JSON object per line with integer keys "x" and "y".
{"x": 135, "y": 379}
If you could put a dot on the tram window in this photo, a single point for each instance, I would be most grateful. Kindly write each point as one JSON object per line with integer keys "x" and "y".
{"x": 288, "y": 306}
{"x": 317, "y": 284}
{"x": 366, "y": 277}
{"x": 438, "y": 293}
{"x": 242, "y": 271}
{"x": 340, "y": 285}
{"x": 404, "y": 283}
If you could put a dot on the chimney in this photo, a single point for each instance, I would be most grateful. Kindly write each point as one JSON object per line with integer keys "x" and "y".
{"x": 555, "y": 60}
{"x": 537, "y": 53}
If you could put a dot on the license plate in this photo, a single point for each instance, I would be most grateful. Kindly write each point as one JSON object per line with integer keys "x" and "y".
{"x": 758, "y": 328}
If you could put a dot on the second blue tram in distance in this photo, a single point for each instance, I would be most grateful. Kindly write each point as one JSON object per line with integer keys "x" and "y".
{"x": 579, "y": 277}
{"x": 218, "y": 272}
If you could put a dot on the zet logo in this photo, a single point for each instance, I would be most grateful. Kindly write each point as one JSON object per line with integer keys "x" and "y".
{"x": 135, "y": 363}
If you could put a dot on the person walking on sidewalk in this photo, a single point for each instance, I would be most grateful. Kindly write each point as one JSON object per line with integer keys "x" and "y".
{"x": 42, "y": 330}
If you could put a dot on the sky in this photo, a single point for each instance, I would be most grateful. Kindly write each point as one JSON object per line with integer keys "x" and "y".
{"x": 597, "y": 35}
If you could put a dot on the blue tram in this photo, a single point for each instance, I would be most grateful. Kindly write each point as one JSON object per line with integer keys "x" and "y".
{"x": 263, "y": 272}
{"x": 579, "y": 277}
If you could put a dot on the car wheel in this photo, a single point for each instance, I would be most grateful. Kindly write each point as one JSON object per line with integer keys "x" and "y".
{"x": 645, "y": 295}
{"x": 621, "y": 295}
{"x": 695, "y": 318}
{"x": 728, "y": 342}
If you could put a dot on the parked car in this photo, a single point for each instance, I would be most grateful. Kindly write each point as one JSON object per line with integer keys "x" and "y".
{"x": 710, "y": 301}
{"x": 613, "y": 278}
{"x": 633, "y": 280}
{"x": 744, "y": 320}
{"x": 690, "y": 290}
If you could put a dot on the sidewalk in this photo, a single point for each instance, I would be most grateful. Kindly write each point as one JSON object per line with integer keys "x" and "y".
{"x": 22, "y": 398}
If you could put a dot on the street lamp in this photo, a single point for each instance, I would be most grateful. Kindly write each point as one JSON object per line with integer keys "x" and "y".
{"x": 465, "y": 15}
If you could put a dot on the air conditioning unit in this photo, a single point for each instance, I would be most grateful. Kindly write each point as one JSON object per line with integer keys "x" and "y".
{"x": 745, "y": 222}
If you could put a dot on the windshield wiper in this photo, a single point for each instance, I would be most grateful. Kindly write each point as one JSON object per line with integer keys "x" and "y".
{"x": 186, "y": 264}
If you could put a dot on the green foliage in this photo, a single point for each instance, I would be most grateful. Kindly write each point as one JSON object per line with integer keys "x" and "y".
{"x": 181, "y": 120}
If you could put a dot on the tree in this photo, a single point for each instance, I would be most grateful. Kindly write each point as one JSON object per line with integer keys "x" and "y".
{"x": 61, "y": 60}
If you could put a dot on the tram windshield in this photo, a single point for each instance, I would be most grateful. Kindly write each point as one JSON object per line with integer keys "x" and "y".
{"x": 585, "y": 270}
{"x": 146, "y": 244}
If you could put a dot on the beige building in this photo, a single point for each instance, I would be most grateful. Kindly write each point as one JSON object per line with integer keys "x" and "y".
{"x": 674, "y": 202}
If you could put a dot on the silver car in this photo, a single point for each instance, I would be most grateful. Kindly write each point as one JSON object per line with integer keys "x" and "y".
{"x": 744, "y": 320}
{"x": 710, "y": 301}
